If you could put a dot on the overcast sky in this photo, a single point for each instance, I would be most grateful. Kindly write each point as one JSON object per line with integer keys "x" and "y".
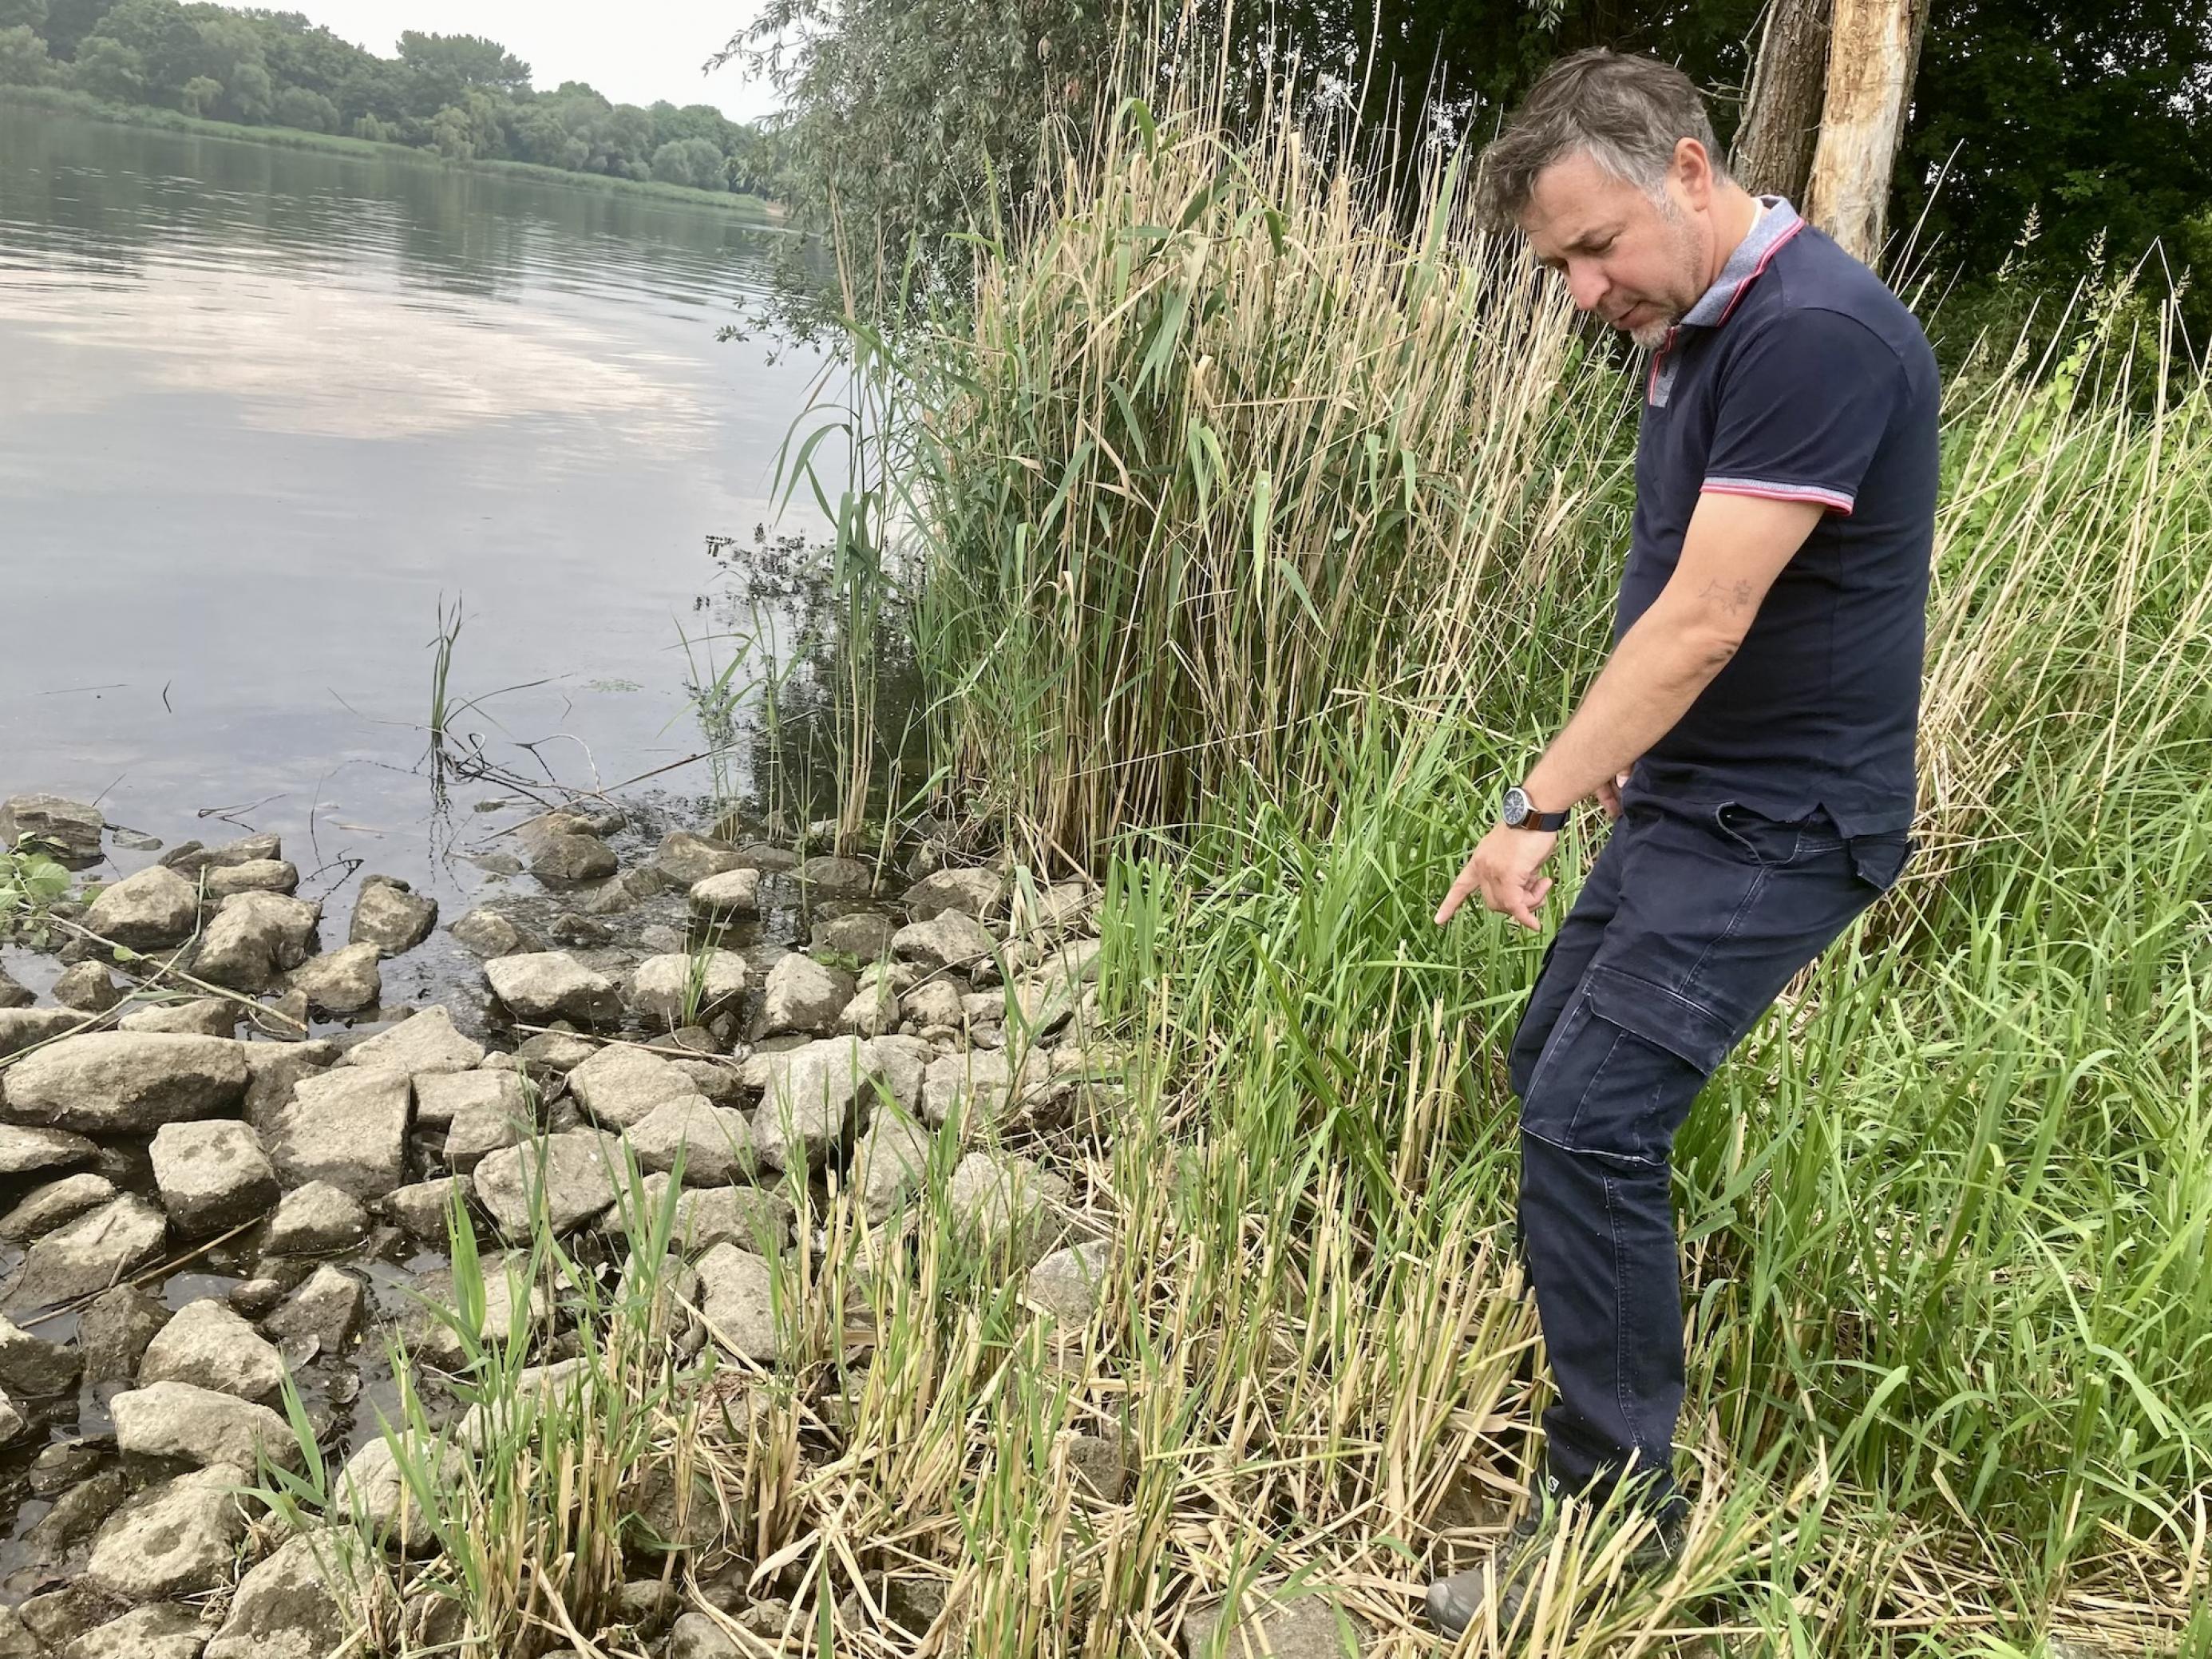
{"x": 634, "y": 53}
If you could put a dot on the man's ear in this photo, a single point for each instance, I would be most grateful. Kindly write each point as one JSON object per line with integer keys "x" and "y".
{"x": 1694, "y": 172}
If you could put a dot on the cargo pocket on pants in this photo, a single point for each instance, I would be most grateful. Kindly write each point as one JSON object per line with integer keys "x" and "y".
{"x": 1623, "y": 1065}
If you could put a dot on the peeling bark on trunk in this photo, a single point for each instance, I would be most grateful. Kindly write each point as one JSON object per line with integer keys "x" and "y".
{"x": 1873, "y": 49}
{"x": 1782, "y": 114}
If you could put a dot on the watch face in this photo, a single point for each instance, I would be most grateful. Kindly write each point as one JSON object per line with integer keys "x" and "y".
{"x": 1516, "y": 807}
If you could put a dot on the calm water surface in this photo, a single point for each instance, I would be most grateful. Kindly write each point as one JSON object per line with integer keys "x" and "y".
{"x": 262, "y": 409}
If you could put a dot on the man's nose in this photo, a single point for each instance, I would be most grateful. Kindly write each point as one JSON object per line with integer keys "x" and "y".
{"x": 1586, "y": 286}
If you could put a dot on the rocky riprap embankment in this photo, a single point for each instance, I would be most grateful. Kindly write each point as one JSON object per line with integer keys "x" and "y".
{"x": 201, "y": 1199}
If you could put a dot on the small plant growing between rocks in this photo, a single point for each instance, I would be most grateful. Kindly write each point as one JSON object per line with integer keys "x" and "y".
{"x": 31, "y": 884}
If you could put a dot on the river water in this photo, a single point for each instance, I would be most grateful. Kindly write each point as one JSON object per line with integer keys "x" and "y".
{"x": 263, "y": 412}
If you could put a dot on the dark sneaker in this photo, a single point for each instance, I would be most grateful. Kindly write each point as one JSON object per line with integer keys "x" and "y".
{"x": 1456, "y": 1602}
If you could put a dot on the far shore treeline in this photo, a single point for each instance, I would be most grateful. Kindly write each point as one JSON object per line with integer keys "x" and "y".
{"x": 465, "y": 97}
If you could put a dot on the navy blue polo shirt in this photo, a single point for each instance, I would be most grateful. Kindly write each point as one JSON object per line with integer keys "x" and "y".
{"x": 1797, "y": 376}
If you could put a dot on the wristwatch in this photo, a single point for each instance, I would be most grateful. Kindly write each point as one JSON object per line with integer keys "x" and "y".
{"x": 1519, "y": 813}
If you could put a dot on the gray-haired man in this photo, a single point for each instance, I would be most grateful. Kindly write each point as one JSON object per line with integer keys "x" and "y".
{"x": 1752, "y": 734}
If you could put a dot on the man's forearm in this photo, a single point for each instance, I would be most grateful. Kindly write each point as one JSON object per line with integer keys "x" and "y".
{"x": 1648, "y": 684}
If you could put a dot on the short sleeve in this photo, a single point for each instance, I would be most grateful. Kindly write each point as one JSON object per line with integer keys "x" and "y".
{"x": 1803, "y": 408}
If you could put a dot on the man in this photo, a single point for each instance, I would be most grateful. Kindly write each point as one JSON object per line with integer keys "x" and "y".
{"x": 1752, "y": 734}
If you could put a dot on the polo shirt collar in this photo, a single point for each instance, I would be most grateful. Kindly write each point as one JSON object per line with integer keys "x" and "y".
{"x": 1775, "y": 226}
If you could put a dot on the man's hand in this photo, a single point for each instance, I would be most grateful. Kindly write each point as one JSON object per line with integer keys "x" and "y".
{"x": 1504, "y": 870}
{"x": 1608, "y": 795}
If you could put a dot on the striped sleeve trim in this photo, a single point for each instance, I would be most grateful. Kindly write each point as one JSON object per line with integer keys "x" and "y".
{"x": 1836, "y": 501}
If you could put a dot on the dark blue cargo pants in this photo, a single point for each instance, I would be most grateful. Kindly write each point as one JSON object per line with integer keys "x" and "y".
{"x": 1693, "y": 921}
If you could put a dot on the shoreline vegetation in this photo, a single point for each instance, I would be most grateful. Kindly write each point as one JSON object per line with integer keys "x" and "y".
{"x": 83, "y": 105}
{"x": 1082, "y": 1231}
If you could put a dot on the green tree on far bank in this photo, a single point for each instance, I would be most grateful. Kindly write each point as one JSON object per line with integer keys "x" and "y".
{"x": 463, "y": 95}
{"x": 23, "y": 60}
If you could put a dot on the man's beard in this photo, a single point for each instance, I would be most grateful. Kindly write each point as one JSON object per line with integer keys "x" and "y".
{"x": 1653, "y": 335}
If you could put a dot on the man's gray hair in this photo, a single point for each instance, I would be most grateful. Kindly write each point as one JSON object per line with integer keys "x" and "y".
{"x": 1625, "y": 113}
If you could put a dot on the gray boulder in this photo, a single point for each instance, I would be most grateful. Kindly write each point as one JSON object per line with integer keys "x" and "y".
{"x": 314, "y": 1219}
{"x": 439, "y": 1100}
{"x": 543, "y": 985}
{"x": 803, "y": 996}
{"x": 148, "y": 911}
{"x": 477, "y": 1131}
{"x": 740, "y": 1302}
{"x": 23, "y": 1150}
{"x": 951, "y": 938}
{"x": 208, "y": 1346}
{"x": 26, "y": 1028}
{"x": 812, "y": 1100}
{"x": 719, "y": 1079}
{"x": 297, "y": 1604}
{"x": 623, "y": 892}
{"x": 214, "y": 1016}
{"x": 32, "y": 1368}
{"x": 88, "y": 987}
{"x": 274, "y": 1070}
{"x": 180, "y": 1420}
{"x": 14, "y": 993}
{"x": 422, "y": 1043}
{"x": 901, "y": 1064}
{"x": 162, "y": 1631}
{"x": 827, "y": 878}
{"x": 347, "y": 1127}
{"x": 715, "y": 1144}
{"x": 1068, "y": 1282}
{"x": 889, "y": 1162}
{"x": 424, "y": 1209}
{"x": 489, "y": 934}
{"x": 189, "y": 857}
{"x": 1308, "y": 1627}
{"x": 173, "y": 1540}
{"x": 621, "y": 1084}
{"x": 341, "y": 982}
{"x": 560, "y": 847}
{"x": 574, "y": 1172}
{"x": 114, "y": 1082}
{"x": 679, "y": 989}
{"x": 720, "y": 898}
{"x": 697, "y": 1636}
{"x": 977, "y": 1087}
{"x": 325, "y": 1310}
{"x": 113, "y": 1331}
{"x": 873, "y": 1011}
{"x": 211, "y": 1175}
{"x": 46, "y": 1207}
{"x": 975, "y": 892}
{"x": 686, "y": 858}
{"x": 433, "y": 1326}
{"x": 69, "y": 830}
{"x": 390, "y": 915}
{"x": 88, "y": 1253}
{"x": 1004, "y": 1203}
{"x": 865, "y": 934}
{"x": 752, "y": 1217}
{"x": 251, "y": 876}
{"x": 254, "y": 939}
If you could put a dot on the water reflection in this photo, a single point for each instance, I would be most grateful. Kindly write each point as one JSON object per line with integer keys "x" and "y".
{"x": 262, "y": 409}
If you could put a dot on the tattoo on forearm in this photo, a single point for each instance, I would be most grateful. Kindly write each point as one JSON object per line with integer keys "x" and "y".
{"x": 1731, "y": 597}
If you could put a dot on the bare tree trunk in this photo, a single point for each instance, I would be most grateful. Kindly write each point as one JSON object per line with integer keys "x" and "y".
{"x": 1872, "y": 51}
{"x": 1782, "y": 113}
